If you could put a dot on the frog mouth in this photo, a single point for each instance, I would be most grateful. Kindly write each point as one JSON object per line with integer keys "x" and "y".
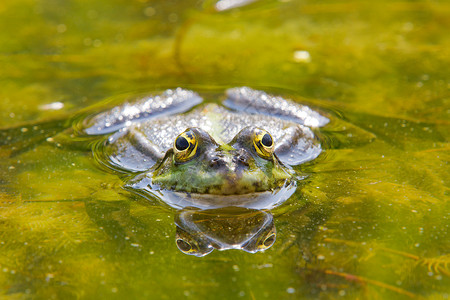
{"x": 265, "y": 199}
{"x": 256, "y": 200}
{"x": 235, "y": 186}
{"x": 223, "y": 179}
{"x": 227, "y": 184}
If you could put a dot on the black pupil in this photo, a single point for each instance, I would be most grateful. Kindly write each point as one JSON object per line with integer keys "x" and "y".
{"x": 181, "y": 143}
{"x": 269, "y": 241}
{"x": 267, "y": 140}
{"x": 183, "y": 246}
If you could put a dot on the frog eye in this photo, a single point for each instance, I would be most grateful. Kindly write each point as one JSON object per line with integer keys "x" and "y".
{"x": 193, "y": 248}
{"x": 185, "y": 146}
{"x": 188, "y": 248}
{"x": 269, "y": 241}
{"x": 263, "y": 143}
{"x": 184, "y": 246}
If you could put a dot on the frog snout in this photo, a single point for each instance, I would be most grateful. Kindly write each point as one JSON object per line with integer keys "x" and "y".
{"x": 230, "y": 164}
{"x": 241, "y": 160}
{"x": 217, "y": 162}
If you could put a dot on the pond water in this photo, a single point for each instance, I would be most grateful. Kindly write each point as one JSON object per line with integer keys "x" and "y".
{"x": 369, "y": 221}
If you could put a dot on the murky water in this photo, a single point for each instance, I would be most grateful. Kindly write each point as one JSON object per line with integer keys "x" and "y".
{"x": 371, "y": 220}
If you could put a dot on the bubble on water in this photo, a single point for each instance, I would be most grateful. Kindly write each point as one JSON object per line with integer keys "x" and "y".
{"x": 87, "y": 41}
{"x": 97, "y": 43}
{"x": 173, "y": 17}
{"x": 302, "y": 56}
{"x": 52, "y": 106}
{"x": 408, "y": 26}
{"x": 149, "y": 11}
{"x": 222, "y": 5}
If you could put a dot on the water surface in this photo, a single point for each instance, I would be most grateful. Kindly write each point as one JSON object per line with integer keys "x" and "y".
{"x": 370, "y": 222}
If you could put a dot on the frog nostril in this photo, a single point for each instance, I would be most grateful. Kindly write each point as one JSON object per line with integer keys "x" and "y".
{"x": 215, "y": 162}
{"x": 243, "y": 160}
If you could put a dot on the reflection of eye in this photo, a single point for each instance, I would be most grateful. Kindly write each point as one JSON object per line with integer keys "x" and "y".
{"x": 269, "y": 240}
{"x": 183, "y": 246}
{"x": 185, "y": 146}
{"x": 263, "y": 143}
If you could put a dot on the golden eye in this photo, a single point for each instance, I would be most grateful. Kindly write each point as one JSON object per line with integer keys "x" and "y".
{"x": 263, "y": 143}
{"x": 184, "y": 246}
{"x": 269, "y": 240}
{"x": 185, "y": 146}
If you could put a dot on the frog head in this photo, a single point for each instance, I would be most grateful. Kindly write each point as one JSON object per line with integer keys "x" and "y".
{"x": 198, "y": 164}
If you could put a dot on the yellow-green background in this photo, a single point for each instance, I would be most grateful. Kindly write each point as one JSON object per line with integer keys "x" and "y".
{"x": 371, "y": 222}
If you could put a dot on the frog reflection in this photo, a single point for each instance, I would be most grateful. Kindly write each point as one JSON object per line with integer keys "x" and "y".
{"x": 199, "y": 232}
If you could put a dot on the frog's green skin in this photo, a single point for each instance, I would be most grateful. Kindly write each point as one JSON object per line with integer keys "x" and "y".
{"x": 228, "y": 169}
{"x": 226, "y": 161}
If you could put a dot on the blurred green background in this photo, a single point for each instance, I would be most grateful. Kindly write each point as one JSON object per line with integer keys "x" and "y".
{"x": 372, "y": 220}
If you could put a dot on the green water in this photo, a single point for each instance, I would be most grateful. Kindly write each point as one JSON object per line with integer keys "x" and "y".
{"x": 370, "y": 222}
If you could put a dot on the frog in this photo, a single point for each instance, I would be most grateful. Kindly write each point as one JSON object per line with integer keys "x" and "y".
{"x": 240, "y": 152}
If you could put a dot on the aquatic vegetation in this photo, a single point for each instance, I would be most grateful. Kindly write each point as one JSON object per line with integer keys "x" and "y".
{"x": 370, "y": 219}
